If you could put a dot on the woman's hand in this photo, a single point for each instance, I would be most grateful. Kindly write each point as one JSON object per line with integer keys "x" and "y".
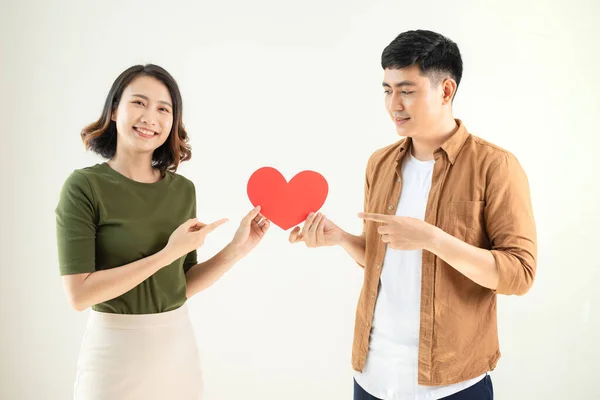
{"x": 190, "y": 236}
{"x": 253, "y": 228}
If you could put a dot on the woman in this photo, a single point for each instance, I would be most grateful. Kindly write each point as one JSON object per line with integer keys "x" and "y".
{"x": 127, "y": 238}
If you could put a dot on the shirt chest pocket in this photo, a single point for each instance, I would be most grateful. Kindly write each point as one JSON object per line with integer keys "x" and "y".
{"x": 465, "y": 221}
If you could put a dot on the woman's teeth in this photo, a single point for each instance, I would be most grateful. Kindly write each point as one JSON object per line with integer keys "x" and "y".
{"x": 145, "y": 132}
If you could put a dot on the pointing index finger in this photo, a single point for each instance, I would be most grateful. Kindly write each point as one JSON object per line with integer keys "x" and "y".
{"x": 374, "y": 217}
{"x": 211, "y": 227}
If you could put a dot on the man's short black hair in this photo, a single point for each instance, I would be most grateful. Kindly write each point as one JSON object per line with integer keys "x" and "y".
{"x": 437, "y": 56}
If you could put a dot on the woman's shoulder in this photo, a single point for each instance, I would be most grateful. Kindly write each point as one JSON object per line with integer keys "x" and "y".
{"x": 179, "y": 179}
{"x": 83, "y": 176}
{"x": 78, "y": 186}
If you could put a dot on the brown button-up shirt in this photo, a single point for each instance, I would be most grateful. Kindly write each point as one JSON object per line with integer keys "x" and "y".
{"x": 479, "y": 194}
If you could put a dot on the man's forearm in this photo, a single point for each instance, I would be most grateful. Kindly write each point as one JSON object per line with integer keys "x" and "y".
{"x": 203, "y": 275}
{"x": 354, "y": 246}
{"x": 476, "y": 264}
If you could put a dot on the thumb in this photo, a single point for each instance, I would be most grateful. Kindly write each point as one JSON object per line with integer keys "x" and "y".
{"x": 251, "y": 215}
{"x": 295, "y": 235}
{"x": 187, "y": 225}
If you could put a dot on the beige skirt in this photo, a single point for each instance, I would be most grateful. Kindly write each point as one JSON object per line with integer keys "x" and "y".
{"x": 148, "y": 356}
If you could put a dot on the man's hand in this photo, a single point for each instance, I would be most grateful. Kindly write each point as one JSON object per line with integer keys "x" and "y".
{"x": 317, "y": 231}
{"x": 403, "y": 233}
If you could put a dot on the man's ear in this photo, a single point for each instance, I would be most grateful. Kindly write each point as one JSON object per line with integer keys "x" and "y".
{"x": 448, "y": 90}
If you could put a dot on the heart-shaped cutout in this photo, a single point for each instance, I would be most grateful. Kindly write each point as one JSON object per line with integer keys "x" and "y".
{"x": 287, "y": 204}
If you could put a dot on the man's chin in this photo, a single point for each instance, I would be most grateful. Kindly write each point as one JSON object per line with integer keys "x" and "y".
{"x": 402, "y": 131}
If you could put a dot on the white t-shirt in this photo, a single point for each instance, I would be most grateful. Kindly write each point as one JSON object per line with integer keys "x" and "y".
{"x": 392, "y": 362}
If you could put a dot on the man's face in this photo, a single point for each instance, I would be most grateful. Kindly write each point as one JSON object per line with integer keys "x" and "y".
{"x": 414, "y": 105}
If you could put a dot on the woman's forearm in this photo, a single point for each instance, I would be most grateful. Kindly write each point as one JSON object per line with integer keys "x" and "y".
{"x": 88, "y": 289}
{"x": 203, "y": 275}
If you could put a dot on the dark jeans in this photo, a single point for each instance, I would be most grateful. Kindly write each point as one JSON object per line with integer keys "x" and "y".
{"x": 482, "y": 390}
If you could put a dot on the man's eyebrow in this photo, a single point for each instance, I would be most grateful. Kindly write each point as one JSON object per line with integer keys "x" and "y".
{"x": 400, "y": 84}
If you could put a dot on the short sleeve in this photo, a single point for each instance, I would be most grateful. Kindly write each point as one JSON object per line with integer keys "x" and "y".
{"x": 76, "y": 218}
{"x": 192, "y": 257}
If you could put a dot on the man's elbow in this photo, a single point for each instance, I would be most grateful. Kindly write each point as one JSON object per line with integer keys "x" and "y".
{"x": 523, "y": 287}
{"x": 527, "y": 277}
{"x": 517, "y": 274}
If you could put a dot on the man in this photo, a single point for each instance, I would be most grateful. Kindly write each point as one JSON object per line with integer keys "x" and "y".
{"x": 448, "y": 225}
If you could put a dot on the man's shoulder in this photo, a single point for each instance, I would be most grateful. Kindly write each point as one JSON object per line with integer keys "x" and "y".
{"x": 486, "y": 150}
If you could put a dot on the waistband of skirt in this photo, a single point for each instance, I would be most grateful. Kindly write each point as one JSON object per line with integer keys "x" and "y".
{"x": 139, "y": 321}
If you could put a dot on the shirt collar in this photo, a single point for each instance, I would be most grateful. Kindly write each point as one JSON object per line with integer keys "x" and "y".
{"x": 451, "y": 146}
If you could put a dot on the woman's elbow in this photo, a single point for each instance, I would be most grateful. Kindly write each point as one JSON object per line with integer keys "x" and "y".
{"x": 73, "y": 286}
{"x": 76, "y": 302}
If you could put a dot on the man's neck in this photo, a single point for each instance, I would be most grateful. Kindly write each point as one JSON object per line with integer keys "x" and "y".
{"x": 423, "y": 148}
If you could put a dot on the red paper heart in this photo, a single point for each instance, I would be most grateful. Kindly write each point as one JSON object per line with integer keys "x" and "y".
{"x": 287, "y": 204}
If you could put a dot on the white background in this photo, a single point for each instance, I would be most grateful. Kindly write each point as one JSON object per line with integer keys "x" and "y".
{"x": 297, "y": 85}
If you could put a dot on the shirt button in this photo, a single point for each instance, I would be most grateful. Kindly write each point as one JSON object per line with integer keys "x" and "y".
{"x": 390, "y": 207}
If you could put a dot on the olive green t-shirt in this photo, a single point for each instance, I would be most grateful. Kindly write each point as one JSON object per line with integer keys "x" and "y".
{"x": 106, "y": 220}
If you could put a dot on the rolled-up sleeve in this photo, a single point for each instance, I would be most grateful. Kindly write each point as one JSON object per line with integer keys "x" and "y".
{"x": 510, "y": 225}
{"x": 367, "y": 195}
